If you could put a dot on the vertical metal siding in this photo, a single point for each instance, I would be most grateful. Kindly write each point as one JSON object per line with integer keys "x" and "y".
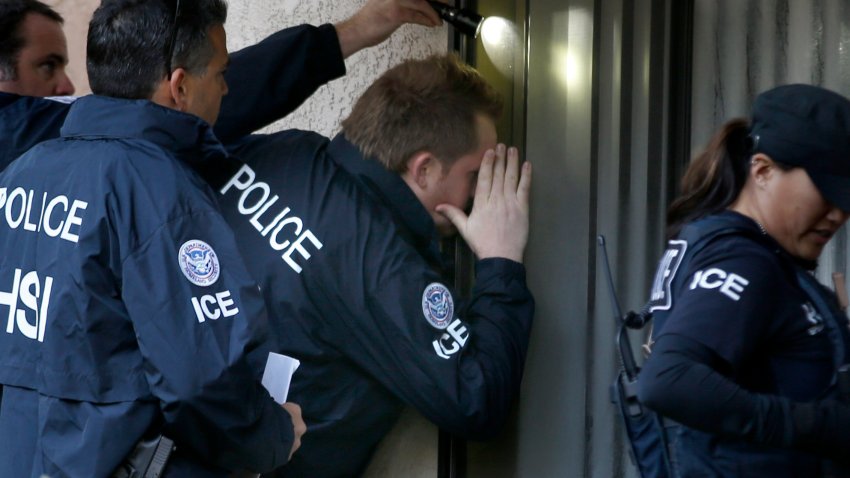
{"x": 598, "y": 116}
{"x": 611, "y": 124}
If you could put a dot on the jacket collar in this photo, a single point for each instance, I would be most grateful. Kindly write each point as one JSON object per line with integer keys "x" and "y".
{"x": 7, "y": 98}
{"x": 390, "y": 190}
{"x": 749, "y": 223}
{"x": 188, "y": 137}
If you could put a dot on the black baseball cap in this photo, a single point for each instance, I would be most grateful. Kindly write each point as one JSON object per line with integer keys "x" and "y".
{"x": 809, "y": 127}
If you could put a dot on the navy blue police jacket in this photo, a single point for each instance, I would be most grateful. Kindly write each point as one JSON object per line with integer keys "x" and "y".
{"x": 742, "y": 332}
{"x": 125, "y": 304}
{"x": 350, "y": 267}
{"x": 266, "y": 81}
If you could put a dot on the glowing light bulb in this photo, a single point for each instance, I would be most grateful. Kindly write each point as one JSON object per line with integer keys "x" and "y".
{"x": 501, "y": 40}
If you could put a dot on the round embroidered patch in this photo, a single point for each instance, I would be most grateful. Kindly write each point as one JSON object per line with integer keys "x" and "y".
{"x": 437, "y": 305}
{"x": 198, "y": 263}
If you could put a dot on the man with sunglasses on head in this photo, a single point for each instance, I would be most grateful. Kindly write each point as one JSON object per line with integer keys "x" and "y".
{"x": 267, "y": 80}
{"x": 131, "y": 316}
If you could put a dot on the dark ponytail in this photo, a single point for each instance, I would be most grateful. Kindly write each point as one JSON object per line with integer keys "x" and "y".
{"x": 714, "y": 178}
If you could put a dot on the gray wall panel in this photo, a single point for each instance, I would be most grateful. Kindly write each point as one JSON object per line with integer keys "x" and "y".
{"x": 552, "y": 426}
{"x": 605, "y": 455}
{"x": 596, "y": 110}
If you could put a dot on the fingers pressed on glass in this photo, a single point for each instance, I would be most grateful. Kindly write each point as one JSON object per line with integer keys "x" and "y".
{"x": 499, "y": 166}
{"x": 524, "y": 188}
{"x": 485, "y": 177}
{"x": 512, "y": 173}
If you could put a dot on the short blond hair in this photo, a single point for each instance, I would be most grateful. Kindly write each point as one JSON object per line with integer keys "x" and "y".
{"x": 422, "y": 105}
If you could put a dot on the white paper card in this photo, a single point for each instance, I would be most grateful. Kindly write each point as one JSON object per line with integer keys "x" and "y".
{"x": 278, "y": 375}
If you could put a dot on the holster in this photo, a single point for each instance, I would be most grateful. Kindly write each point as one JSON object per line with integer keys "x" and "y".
{"x": 147, "y": 460}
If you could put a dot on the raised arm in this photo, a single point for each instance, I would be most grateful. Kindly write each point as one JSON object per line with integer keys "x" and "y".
{"x": 271, "y": 79}
{"x": 378, "y": 19}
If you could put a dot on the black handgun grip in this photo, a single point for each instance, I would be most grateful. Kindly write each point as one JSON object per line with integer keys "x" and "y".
{"x": 147, "y": 460}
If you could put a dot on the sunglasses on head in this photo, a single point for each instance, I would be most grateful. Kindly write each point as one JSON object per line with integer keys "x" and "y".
{"x": 169, "y": 53}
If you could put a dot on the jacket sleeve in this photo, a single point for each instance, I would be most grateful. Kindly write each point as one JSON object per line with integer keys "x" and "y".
{"x": 203, "y": 343}
{"x": 682, "y": 382}
{"x": 271, "y": 79}
{"x": 461, "y": 368}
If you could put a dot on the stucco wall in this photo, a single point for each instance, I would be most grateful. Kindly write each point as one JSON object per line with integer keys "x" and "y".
{"x": 77, "y": 14}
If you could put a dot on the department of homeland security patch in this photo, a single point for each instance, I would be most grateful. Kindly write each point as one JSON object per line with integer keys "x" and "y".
{"x": 438, "y": 305}
{"x": 198, "y": 263}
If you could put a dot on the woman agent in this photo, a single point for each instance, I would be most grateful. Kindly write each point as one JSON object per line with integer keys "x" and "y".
{"x": 747, "y": 343}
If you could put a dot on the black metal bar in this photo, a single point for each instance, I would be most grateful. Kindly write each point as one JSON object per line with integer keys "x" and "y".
{"x": 451, "y": 451}
{"x": 681, "y": 83}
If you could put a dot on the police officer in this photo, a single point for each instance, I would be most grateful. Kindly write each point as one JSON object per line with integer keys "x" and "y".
{"x": 343, "y": 236}
{"x": 34, "y": 52}
{"x": 747, "y": 343}
{"x": 267, "y": 80}
{"x": 130, "y": 312}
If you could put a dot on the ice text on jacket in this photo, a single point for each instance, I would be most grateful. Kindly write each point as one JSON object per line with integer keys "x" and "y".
{"x": 56, "y": 216}
{"x": 731, "y": 285}
{"x": 214, "y": 307}
{"x": 25, "y": 294}
{"x": 452, "y": 341}
{"x": 284, "y": 231}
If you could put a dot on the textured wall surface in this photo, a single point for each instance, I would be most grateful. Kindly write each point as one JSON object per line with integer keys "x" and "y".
{"x": 250, "y": 21}
{"x": 409, "y": 450}
{"x": 77, "y": 14}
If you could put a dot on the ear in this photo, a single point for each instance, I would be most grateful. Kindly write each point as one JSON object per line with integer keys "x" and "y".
{"x": 178, "y": 86}
{"x": 421, "y": 167}
{"x": 172, "y": 93}
{"x": 762, "y": 168}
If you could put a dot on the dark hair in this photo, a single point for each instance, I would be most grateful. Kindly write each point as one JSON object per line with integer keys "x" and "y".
{"x": 128, "y": 43}
{"x": 422, "y": 105}
{"x": 714, "y": 178}
{"x": 12, "y": 15}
